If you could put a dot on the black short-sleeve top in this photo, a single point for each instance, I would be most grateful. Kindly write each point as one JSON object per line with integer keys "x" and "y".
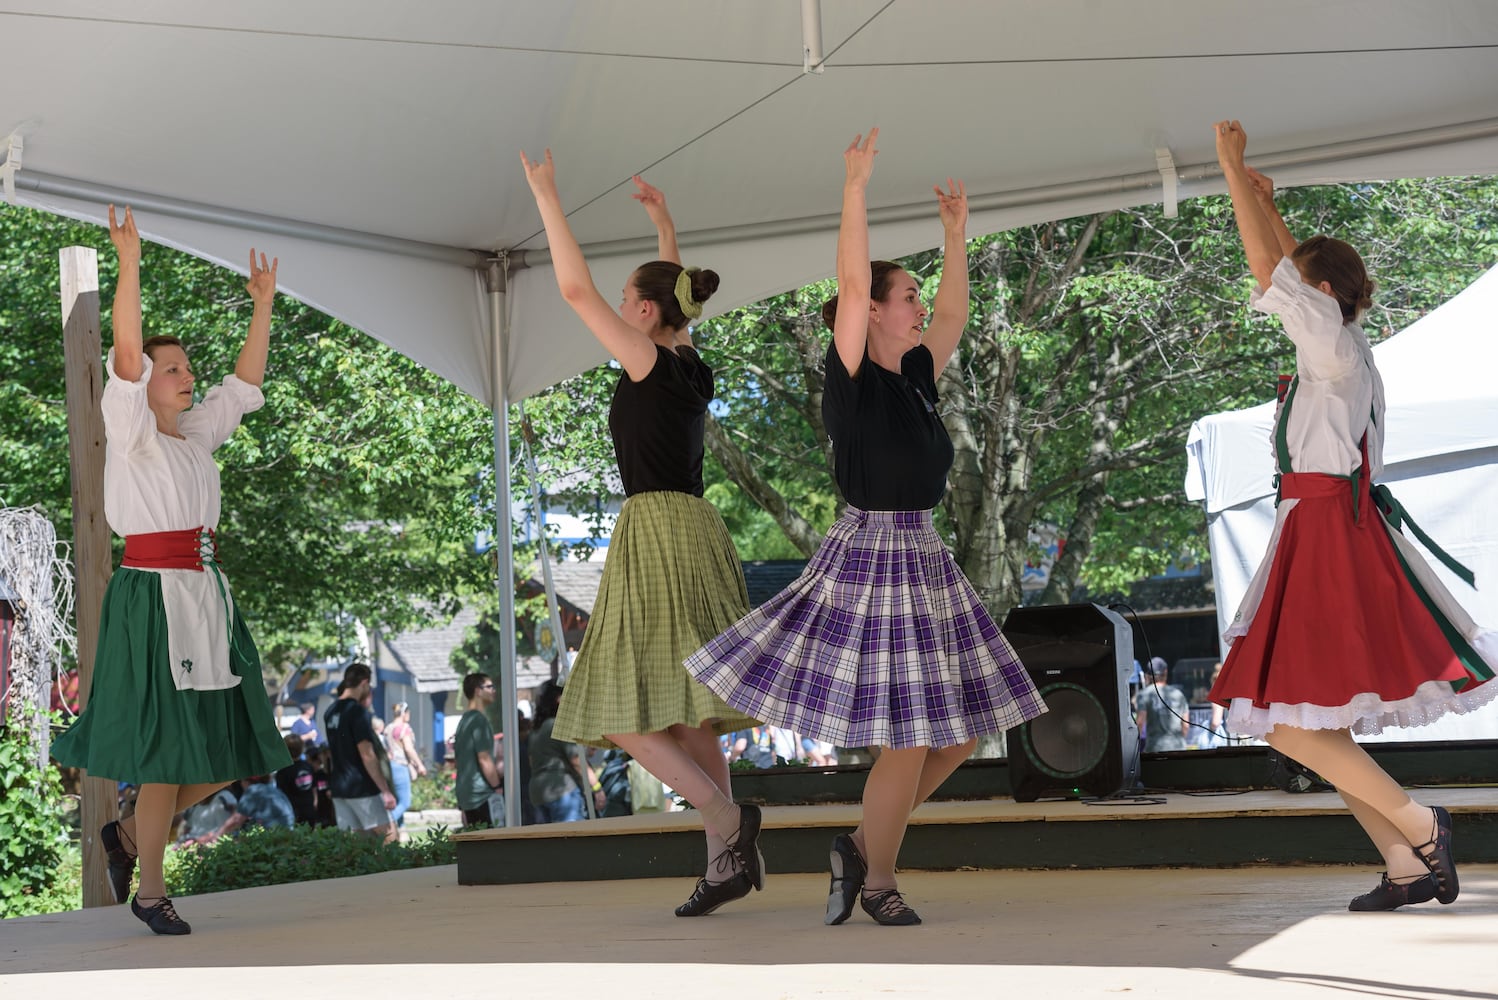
{"x": 890, "y": 450}
{"x": 657, "y": 424}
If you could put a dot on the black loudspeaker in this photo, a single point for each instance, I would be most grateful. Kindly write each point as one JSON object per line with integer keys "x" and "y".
{"x": 1080, "y": 657}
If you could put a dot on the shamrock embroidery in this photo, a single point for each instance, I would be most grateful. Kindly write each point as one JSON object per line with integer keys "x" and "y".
{"x": 187, "y": 666}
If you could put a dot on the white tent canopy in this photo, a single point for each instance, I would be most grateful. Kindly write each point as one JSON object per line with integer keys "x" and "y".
{"x": 1441, "y": 461}
{"x": 373, "y": 146}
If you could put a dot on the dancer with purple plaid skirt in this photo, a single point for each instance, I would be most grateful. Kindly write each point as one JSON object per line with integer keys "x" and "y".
{"x": 881, "y": 641}
{"x": 672, "y": 579}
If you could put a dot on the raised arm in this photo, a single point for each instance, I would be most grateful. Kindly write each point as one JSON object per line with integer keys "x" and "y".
{"x": 1264, "y": 191}
{"x": 949, "y": 311}
{"x": 850, "y": 330}
{"x": 631, "y": 348}
{"x": 665, "y": 229}
{"x": 125, "y": 319}
{"x": 1259, "y": 242}
{"x": 262, "y": 288}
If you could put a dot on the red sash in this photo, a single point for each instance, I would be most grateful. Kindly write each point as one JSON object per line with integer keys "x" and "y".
{"x": 186, "y": 549}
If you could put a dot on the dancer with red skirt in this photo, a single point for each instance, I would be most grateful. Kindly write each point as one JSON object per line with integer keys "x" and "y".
{"x": 1345, "y": 628}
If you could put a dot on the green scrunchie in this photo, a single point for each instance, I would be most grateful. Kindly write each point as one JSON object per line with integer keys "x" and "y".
{"x": 690, "y": 307}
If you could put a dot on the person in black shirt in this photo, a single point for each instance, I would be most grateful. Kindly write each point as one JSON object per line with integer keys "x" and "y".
{"x": 362, "y": 798}
{"x": 298, "y": 782}
{"x": 881, "y": 641}
{"x": 673, "y": 579}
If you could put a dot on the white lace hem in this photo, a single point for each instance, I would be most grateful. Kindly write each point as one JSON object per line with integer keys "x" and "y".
{"x": 1366, "y": 715}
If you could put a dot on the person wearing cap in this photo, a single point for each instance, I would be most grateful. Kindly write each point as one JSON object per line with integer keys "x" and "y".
{"x": 1161, "y": 710}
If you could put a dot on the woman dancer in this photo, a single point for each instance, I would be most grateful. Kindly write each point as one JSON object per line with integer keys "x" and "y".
{"x": 1344, "y": 627}
{"x": 672, "y": 579}
{"x": 178, "y": 704}
{"x": 881, "y": 641}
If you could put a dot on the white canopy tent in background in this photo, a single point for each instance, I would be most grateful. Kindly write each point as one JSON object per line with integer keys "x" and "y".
{"x": 374, "y": 146}
{"x": 1441, "y": 462}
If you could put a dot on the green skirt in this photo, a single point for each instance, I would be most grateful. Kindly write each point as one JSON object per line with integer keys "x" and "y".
{"x": 138, "y": 727}
{"x": 672, "y": 582}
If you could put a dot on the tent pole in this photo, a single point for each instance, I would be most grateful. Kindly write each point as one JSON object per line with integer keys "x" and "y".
{"x": 495, "y": 279}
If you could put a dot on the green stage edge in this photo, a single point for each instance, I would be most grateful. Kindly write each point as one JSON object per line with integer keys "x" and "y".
{"x": 1215, "y": 841}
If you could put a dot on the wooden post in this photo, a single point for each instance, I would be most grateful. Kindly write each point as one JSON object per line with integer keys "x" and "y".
{"x": 91, "y": 554}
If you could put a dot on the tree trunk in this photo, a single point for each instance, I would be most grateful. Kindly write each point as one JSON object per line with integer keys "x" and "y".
{"x": 742, "y": 471}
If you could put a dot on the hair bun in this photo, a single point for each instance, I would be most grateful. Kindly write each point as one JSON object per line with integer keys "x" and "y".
{"x": 704, "y": 284}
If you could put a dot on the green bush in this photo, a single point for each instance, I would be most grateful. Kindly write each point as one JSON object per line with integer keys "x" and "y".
{"x": 435, "y": 791}
{"x": 33, "y": 833}
{"x": 277, "y": 855}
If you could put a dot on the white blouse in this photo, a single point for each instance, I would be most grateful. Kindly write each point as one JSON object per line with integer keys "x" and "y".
{"x": 1339, "y": 384}
{"x": 156, "y": 482}
{"x": 153, "y": 481}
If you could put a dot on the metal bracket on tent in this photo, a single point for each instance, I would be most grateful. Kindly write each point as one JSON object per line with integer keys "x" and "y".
{"x": 811, "y": 36}
{"x": 1166, "y": 164}
{"x": 13, "y": 147}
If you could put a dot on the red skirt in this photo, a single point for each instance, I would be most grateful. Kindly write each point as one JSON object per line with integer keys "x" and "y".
{"x": 1340, "y": 623}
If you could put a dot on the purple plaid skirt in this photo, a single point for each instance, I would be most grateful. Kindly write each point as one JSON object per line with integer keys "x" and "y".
{"x": 881, "y": 641}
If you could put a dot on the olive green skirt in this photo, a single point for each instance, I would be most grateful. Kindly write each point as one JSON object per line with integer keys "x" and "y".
{"x": 138, "y": 727}
{"x": 672, "y": 582}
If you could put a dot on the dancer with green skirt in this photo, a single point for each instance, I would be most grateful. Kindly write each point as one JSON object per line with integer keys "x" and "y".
{"x": 673, "y": 579}
{"x": 177, "y": 705}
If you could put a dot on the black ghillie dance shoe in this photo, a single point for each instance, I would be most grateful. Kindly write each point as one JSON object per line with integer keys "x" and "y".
{"x": 1392, "y": 895}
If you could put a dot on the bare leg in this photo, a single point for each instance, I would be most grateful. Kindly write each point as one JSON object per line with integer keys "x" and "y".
{"x": 667, "y": 759}
{"x": 940, "y": 763}
{"x": 701, "y": 744}
{"x": 1400, "y": 859}
{"x": 154, "y": 809}
{"x": 187, "y": 795}
{"x": 1336, "y": 756}
{"x": 936, "y": 768}
{"x": 889, "y": 795}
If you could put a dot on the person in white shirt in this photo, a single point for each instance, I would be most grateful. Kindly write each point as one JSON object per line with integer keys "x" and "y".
{"x": 1345, "y": 628}
{"x": 178, "y": 702}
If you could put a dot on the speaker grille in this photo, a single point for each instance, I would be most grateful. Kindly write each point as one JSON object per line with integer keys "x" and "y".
{"x": 1071, "y": 738}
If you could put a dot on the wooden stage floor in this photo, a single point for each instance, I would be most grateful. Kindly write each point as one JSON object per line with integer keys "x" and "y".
{"x": 1252, "y": 933}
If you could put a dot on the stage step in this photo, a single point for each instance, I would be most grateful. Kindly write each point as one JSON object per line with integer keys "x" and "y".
{"x": 1171, "y": 829}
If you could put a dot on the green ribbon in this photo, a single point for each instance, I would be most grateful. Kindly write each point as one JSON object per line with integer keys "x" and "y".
{"x": 1399, "y": 518}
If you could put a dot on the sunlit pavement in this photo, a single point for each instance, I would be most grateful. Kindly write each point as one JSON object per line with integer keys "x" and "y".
{"x": 1200, "y": 933}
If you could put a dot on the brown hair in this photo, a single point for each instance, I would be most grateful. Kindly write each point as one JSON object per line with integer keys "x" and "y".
{"x": 881, "y": 273}
{"x": 355, "y": 674}
{"x": 656, "y": 282}
{"x": 160, "y": 340}
{"x": 294, "y": 745}
{"x": 1322, "y": 258}
{"x": 472, "y": 682}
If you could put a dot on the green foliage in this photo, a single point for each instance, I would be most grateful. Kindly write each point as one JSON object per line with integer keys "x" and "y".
{"x": 435, "y": 791}
{"x": 354, "y": 494}
{"x": 33, "y": 833}
{"x": 277, "y": 855}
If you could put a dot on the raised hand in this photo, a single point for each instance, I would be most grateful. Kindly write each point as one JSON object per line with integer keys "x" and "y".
{"x": 952, "y": 204}
{"x": 1263, "y": 186}
{"x": 262, "y": 283}
{"x": 542, "y": 176}
{"x": 125, "y": 238}
{"x": 1231, "y": 141}
{"x": 653, "y": 200}
{"x": 858, "y": 158}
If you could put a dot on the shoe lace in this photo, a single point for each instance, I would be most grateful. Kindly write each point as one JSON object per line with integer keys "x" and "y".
{"x": 725, "y": 864}
{"x": 888, "y": 902}
{"x": 164, "y": 907}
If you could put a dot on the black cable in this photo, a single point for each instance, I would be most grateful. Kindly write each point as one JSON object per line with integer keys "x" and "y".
{"x": 1147, "y": 668}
